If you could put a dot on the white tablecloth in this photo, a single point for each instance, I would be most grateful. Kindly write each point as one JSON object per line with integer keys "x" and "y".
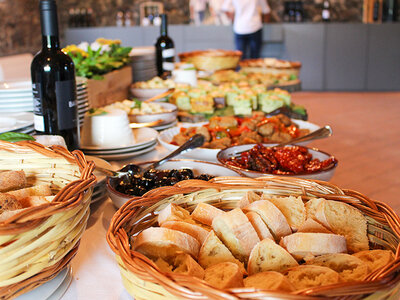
{"x": 94, "y": 268}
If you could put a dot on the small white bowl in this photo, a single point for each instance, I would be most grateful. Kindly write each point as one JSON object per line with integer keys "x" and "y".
{"x": 198, "y": 167}
{"x": 143, "y": 94}
{"x": 324, "y": 175}
{"x": 166, "y": 117}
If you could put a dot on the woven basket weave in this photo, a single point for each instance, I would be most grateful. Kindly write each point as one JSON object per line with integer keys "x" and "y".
{"x": 144, "y": 280}
{"x": 37, "y": 243}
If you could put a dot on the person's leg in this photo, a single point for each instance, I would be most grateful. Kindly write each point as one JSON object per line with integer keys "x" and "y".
{"x": 255, "y": 41}
{"x": 202, "y": 14}
{"x": 241, "y": 43}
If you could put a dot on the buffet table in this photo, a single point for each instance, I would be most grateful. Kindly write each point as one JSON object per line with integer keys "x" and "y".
{"x": 365, "y": 140}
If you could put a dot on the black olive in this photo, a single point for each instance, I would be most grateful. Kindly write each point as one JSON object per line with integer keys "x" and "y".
{"x": 131, "y": 169}
{"x": 185, "y": 174}
{"x": 145, "y": 183}
{"x": 150, "y": 174}
{"x": 174, "y": 173}
{"x": 205, "y": 177}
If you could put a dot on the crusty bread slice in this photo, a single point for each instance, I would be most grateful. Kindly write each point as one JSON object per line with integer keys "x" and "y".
{"x": 311, "y": 207}
{"x": 195, "y": 231}
{"x": 268, "y": 256}
{"x": 173, "y": 212}
{"x": 375, "y": 259}
{"x": 260, "y": 227}
{"x": 36, "y": 200}
{"x": 305, "y": 244}
{"x": 248, "y": 198}
{"x": 11, "y": 180}
{"x": 224, "y": 276}
{"x": 163, "y": 242}
{"x": 308, "y": 276}
{"x": 292, "y": 208}
{"x": 270, "y": 280}
{"x": 310, "y": 225}
{"x": 37, "y": 190}
{"x": 185, "y": 264}
{"x": 350, "y": 268}
{"x": 10, "y": 213}
{"x": 213, "y": 252}
{"x": 9, "y": 203}
{"x": 205, "y": 213}
{"x": 163, "y": 265}
{"x": 236, "y": 232}
{"x": 345, "y": 220}
{"x": 272, "y": 216}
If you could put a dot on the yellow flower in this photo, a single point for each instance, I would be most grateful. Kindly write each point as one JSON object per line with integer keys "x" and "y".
{"x": 104, "y": 41}
{"x": 74, "y": 49}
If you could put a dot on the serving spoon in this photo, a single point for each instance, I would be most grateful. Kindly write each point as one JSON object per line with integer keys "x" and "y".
{"x": 194, "y": 142}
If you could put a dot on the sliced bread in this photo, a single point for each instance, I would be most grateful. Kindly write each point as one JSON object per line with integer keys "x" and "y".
{"x": 163, "y": 265}
{"x": 375, "y": 259}
{"x": 36, "y": 200}
{"x": 224, "y": 276}
{"x": 271, "y": 280}
{"x": 173, "y": 212}
{"x": 236, "y": 232}
{"x": 185, "y": 264}
{"x": 259, "y": 226}
{"x": 350, "y": 268}
{"x": 37, "y": 190}
{"x": 205, "y": 213}
{"x": 310, "y": 225}
{"x": 268, "y": 256}
{"x": 311, "y": 207}
{"x": 305, "y": 244}
{"x": 165, "y": 243}
{"x": 213, "y": 252}
{"x": 248, "y": 198}
{"x": 292, "y": 208}
{"x": 345, "y": 220}
{"x": 308, "y": 276}
{"x": 272, "y": 216}
{"x": 195, "y": 231}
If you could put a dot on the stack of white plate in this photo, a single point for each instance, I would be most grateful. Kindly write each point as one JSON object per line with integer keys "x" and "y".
{"x": 82, "y": 98}
{"x": 100, "y": 189}
{"x": 16, "y": 96}
{"x": 16, "y": 122}
{"x": 143, "y": 63}
{"x": 145, "y": 141}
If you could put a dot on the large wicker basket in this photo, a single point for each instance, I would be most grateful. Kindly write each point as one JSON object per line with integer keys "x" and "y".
{"x": 212, "y": 60}
{"x": 37, "y": 243}
{"x": 144, "y": 280}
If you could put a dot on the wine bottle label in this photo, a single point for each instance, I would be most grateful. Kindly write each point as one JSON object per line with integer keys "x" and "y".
{"x": 168, "y": 66}
{"x": 325, "y": 14}
{"x": 38, "y": 119}
{"x": 167, "y": 53}
{"x": 66, "y": 104}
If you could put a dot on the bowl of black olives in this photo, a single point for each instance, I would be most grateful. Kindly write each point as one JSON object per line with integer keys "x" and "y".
{"x": 168, "y": 174}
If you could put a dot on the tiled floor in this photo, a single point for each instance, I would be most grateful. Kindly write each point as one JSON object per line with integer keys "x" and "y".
{"x": 366, "y": 140}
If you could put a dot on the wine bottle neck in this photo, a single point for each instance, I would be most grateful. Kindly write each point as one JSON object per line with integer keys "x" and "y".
{"x": 164, "y": 25}
{"x": 49, "y": 22}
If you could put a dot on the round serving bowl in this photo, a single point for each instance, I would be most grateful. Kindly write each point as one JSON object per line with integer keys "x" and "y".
{"x": 166, "y": 117}
{"x": 143, "y": 94}
{"x": 198, "y": 167}
{"x": 324, "y": 175}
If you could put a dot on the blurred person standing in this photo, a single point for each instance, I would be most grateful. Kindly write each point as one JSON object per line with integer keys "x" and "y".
{"x": 248, "y": 17}
{"x": 219, "y": 17}
{"x": 198, "y": 10}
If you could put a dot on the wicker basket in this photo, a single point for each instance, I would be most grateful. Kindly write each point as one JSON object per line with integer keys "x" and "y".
{"x": 144, "y": 280}
{"x": 212, "y": 60}
{"x": 37, "y": 243}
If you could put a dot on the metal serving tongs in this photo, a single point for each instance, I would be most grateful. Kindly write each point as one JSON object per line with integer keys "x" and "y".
{"x": 194, "y": 142}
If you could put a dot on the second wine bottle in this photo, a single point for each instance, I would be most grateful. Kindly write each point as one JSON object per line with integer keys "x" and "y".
{"x": 165, "y": 50}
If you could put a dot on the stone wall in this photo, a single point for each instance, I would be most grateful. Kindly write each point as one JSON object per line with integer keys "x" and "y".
{"x": 20, "y": 24}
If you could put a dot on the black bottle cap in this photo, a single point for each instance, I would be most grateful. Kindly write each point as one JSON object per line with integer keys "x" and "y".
{"x": 48, "y": 17}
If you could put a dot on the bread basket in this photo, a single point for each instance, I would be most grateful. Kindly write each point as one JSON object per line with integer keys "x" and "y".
{"x": 212, "y": 60}
{"x": 144, "y": 280}
{"x": 37, "y": 243}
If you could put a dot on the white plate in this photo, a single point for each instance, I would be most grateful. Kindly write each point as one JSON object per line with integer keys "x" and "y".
{"x": 147, "y": 93}
{"x": 17, "y": 105}
{"x": 53, "y": 289}
{"x": 101, "y": 163}
{"x": 16, "y": 101}
{"x": 166, "y": 136}
{"x": 119, "y": 151}
{"x": 126, "y": 155}
{"x": 25, "y": 94}
{"x": 165, "y": 126}
{"x": 167, "y": 117}
{"x": 15, "y": 110}
{"x": 142, "y": 136}
{"x": 15, "y": 122}
{"x": 15, "y": 86}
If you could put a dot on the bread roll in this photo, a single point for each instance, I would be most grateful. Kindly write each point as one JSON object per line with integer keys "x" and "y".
{"x": 205, "y": 213}
{"x": 213, "y": 252}
{"x": 248, "y": 198}
{"x": 12, "y": 180}
{"x": 375, "y": 259}
{"x": 259, "y": 226}
{"x": 236, "y": 232}
{"x": 292, "y": 208}
{"x": 8, "y": 202}
{"x": 307, "y": 276}
{"x": 173, "y": 212}
{"x": 310, "y": 225}
{"x": 305, "y": 244}
{"x": 272, "y": 216}
{"x": 165, "y": 243}
{"x": 195, "y": 231}
{"x": 268, "y": 256}
{"x": 224, "y": 276}
{"x": 271, "y": 280}
{"x": 350, "y": 268}
{"x": 345, "y": 220}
